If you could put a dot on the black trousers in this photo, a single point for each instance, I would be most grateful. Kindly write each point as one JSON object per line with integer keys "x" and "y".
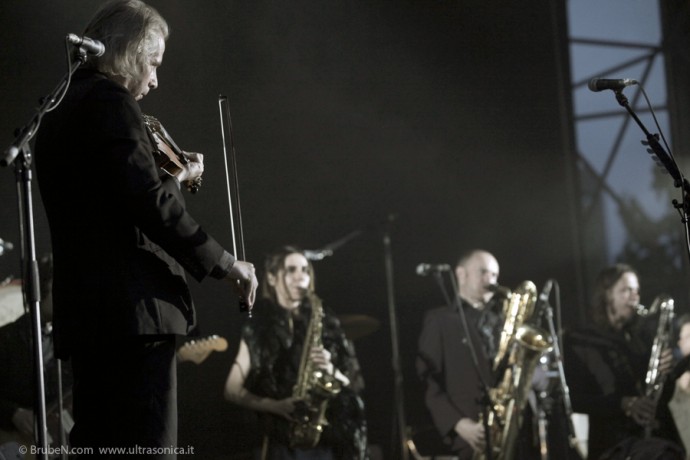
{"x": 125, "y": 397}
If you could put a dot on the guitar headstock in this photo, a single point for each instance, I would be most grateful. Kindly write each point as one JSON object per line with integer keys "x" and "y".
{"x": 197, "y": 351}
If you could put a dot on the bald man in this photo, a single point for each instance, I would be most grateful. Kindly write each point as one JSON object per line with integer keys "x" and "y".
{"x": 444, "y": 360}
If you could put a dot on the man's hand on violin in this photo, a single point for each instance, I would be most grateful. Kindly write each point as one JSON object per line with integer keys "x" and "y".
{"x": 243, "y": 276}
{"x": 193, "y": 169}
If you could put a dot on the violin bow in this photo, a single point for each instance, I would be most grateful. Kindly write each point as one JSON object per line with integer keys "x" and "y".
{"x": 233, "y": 187}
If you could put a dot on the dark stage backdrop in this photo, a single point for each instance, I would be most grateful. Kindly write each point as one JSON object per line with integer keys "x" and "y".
{"x": 442, "y": 118}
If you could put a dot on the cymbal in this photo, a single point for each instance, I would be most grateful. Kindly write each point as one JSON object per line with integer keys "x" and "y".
{"x": 358, "y": 326}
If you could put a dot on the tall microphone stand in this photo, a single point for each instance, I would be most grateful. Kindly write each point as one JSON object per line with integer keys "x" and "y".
{"x": 668, "y": 162}
{"x": 397, "y": 370}
{"x": 484, "y": 399}
{"x": 567, "y": 406}
{"x": 19, "y": 153}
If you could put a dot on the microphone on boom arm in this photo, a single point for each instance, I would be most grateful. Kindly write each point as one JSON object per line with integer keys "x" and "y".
{"x": 600, "y": 84}
{"x": 499, "y": 290}
{"x": 543, "y": 299}
{"x": 89, "y": 45}
{"x": 428, "y": 269}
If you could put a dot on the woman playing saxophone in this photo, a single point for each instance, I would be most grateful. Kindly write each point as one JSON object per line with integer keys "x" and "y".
{"x": 296, "y": 369}
{"x": 607, "y": 361}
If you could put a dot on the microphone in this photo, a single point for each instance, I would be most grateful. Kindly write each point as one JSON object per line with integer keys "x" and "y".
{"x": 426, "y": 269}
{"x": 600, "y": 84}
{"x": 319, "y": 254}
{"x": 5, "y": 246}
{"x": 544, "y": 296}
{"x": 499, "y": 290}
{"x": 91, "y": 46}
{"x": 543, "y": 305}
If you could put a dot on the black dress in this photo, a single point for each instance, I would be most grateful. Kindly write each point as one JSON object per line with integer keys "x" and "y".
{"x": 601, "y": 367}
{"x": 275, "y": 344}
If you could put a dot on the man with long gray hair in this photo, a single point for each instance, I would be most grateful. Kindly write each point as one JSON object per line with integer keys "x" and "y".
{"x": 122, "y": 241}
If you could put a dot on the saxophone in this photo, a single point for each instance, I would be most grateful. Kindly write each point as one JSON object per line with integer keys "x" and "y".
{"x": 314, "y": 387}
{"x": 522, "y": 345}
{"x": 654, "y": 380}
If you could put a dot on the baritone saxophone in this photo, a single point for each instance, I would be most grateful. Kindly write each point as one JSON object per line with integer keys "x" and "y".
{"x": 654, "y": 380}
{"x": 520, "y": 347}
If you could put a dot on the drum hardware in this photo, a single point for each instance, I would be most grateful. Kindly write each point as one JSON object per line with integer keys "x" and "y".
{"x": 5, "y": 246}
{"x": 358, "y": 326}
{"x": 11, "y": 301}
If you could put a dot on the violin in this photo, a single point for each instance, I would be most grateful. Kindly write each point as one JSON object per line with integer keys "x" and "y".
{"x": 169, "y": 157}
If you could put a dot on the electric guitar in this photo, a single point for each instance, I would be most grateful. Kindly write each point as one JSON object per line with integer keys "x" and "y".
{"x": 197, "y": 351}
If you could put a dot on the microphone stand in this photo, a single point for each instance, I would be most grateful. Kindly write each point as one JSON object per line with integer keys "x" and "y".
{"x": 572, "y": 440}
{"x": 31, "y": 289}
{"x": 668, "y": 162}
{"x": 19, "y": 153}
{"x": 484, "y": 399}
{"x": 397, "y": 370}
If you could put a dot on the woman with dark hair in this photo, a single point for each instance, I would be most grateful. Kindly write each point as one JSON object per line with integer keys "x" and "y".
{"x": 606, "y": 363}
{"x": 616, "y": 296}
{"x": 269, "y": 360}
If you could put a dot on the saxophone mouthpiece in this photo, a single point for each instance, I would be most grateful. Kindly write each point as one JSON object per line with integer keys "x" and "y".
{"x": 641, "y": 310}
{"x": 499, "y": 290}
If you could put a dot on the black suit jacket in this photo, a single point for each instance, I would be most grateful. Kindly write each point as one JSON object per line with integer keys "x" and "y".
{"x": 445, "y": 364}
{"x": 121, "y": 237}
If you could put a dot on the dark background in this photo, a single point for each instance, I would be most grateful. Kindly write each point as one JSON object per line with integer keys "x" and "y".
{"x": 438, "y": 123}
